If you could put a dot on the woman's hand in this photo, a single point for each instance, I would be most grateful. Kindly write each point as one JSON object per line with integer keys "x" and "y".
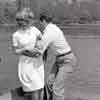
{"x": 31, "y": 54}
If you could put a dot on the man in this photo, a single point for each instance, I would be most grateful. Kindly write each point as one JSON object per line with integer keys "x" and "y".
{"x": 53, "y": 38}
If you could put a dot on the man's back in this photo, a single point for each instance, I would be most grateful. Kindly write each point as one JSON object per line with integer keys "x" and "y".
{"x": 55, "y": 39}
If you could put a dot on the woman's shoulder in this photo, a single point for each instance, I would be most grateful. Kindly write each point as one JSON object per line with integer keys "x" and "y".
{"x": 16, "y": 34}
{"x": 35, "y": 30}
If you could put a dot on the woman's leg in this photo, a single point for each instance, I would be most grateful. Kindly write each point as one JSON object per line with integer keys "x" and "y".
{"x": 28, "y": 96}
{"x": 37, "y": 95}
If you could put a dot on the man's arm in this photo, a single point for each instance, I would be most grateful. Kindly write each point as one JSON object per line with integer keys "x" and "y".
{"x": 44, "y": 43}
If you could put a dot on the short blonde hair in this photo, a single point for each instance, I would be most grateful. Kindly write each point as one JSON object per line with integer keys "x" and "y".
{"x": 25, "y": 14}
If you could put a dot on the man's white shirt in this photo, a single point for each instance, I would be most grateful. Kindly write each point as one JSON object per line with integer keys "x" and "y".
{"x": 54, "y": 38}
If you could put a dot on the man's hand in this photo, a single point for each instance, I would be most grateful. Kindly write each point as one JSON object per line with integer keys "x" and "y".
{"x": 50, "y": 80}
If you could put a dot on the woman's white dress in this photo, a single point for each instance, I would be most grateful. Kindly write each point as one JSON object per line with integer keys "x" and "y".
{"x": 30, "y": 70}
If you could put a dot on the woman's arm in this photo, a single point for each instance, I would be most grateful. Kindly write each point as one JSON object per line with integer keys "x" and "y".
{"x": 17, "y": 50}
{"x": 16, "y": 47}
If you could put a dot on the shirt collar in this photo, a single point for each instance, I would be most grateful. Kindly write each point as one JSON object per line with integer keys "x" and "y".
{"x": 47, "y": 27}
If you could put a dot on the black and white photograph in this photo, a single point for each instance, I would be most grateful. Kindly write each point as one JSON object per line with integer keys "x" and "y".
{"x": 49, "y": 50}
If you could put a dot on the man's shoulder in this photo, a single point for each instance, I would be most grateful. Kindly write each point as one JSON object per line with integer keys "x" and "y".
{"x": 54, "y": 27}
{"x": 51, "y": 25}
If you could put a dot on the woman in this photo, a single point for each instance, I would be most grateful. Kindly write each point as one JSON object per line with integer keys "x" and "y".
{"x": 30, "y": 69}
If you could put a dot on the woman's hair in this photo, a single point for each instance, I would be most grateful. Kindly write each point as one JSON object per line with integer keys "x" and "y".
{"x": 24, "y": 14}
{"x": 46, "y": 18}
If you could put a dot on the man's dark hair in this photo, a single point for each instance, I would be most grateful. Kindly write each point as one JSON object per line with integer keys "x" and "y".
{"x": 46, "y": 18}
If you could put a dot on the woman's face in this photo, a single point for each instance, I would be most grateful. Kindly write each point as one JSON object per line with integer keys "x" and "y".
{"x": 22, "y": 22}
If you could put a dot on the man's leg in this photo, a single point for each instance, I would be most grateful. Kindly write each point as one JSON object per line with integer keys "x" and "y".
{"x": 48, "y": 94}
{"x": 64, "y": 73}
{"x": 58, "y": 86}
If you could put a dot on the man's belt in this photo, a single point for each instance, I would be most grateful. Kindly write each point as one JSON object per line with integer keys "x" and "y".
{"x": 64, "y": 54}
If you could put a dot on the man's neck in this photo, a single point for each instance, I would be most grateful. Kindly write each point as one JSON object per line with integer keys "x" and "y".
{"x": 46, "y": 24}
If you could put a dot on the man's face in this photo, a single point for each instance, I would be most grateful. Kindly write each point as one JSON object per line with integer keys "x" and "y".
{"x": 42, "y": 23}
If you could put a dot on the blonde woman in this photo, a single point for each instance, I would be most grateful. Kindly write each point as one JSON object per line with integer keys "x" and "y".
{"x": 30, "y": 69}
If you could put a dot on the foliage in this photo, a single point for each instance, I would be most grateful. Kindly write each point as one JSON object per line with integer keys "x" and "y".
{"x": 7, "y": 10}
{"x": 62, "y": 12}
